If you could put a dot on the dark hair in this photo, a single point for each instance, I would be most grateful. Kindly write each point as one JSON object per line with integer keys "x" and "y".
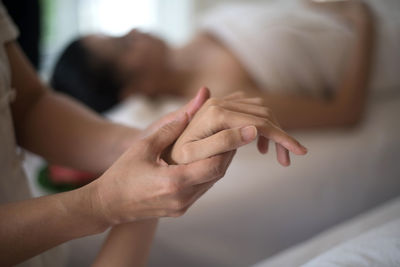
{"x": 85, "y": 77}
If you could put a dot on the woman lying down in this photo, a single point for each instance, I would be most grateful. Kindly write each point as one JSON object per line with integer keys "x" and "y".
{"x": 309, "y": 61}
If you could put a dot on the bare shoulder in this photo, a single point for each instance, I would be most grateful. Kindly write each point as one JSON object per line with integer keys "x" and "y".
{"x": 221, "y": 68}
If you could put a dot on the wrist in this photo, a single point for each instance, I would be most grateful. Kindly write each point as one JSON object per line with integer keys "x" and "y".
{"x": 85, "y": 205}
{"x": 101, "y": 199}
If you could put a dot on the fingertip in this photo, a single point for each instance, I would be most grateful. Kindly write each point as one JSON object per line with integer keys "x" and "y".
{"x": 301, "y": 150}
{"x": 204, "y": 89}
{"x": 285, "y": 162}
{"x": 248, "y": 133}
{"x": 202, "y": 95}
{"x": 195, "y": 104}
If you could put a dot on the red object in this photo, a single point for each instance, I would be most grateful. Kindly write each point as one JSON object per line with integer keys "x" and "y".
{"x": 63, "y": 175}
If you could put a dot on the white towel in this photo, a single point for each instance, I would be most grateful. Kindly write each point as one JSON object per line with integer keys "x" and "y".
{"x": 285, "y": 45}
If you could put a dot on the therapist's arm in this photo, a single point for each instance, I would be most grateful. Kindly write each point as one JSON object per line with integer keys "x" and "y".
{"x": 55, "y": 127}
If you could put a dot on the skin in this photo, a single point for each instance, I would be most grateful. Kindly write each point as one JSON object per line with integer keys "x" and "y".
{"x": 176, "y": 71}
{"x": 138, "y": 185}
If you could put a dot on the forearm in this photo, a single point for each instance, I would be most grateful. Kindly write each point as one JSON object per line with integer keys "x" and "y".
{"x": 352, "y": 90}
{"x": 301, "y": 112}
{"x": 64, "y": 132}
{"x": 30, "y": 227}
{"x": 127, "y": 244}
{"x": 58, "y": 128}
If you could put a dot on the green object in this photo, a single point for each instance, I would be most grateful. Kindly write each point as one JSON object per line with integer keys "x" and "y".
{"x": 46, "y": 183}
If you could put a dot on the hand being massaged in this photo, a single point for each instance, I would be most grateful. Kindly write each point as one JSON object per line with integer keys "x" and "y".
{"x": 156, "y": 177}
{"x": 224, "y": 124}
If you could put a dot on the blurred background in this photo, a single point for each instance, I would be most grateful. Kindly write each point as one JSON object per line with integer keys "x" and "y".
{"x": 259, "y": 209}
{"x": 63, "y": 20}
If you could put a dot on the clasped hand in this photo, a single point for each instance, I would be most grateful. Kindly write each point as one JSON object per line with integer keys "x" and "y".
{"x": 142, "y": 184}
{"x": 225, "y": 124}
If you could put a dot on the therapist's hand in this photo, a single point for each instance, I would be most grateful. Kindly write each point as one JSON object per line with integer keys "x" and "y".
{"x": 225, "y": 124}
{"x": 190, "y": 109}
{"x": 141, "y": 185}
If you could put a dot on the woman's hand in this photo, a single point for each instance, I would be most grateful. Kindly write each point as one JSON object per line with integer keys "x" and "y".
{"x": 140, "y": 185}
{"x": 223, "y": 125}
{"x": 190, "y": 109}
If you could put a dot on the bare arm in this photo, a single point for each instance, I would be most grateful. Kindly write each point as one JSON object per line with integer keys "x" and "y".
{"x": 127, "y": 245}
{"x": 347, "y": 105}
{"x": 58, "y": 128}
{"x": 138, "y": 186}
{"x": 30, "y": 227}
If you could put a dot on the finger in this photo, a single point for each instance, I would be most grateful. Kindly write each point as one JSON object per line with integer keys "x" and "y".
{"x": 220, "y": 142}
{"x": 205, "y": 170}
{"x": 262, "y": 144}
{"x": 281, "y": 152}
{"x": 259, "y": 111}
{"x": 282, "y": 155}
{"x": 276, "y": 134}
{"x": 252, "y": 101}
{"x": 195, "y": 104}
{"x": 264, "y": 127}
{"x": 166, "y": 135}
{"x": 236, "y": 95}
{"x": 190, "y": 108}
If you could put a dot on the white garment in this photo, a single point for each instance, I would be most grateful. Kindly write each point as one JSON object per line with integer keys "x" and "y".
{"x": 13, "y": 183}
{"x": 286, "y": 45}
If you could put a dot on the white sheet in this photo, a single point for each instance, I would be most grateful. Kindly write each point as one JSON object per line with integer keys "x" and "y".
{"x": 260, "y": 208}
{"x": 334, "y": 237}
{"x": 378, "y": 247}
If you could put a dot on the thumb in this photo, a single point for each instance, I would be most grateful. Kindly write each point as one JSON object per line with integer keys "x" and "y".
{"x": 218, "y": 143}
{"x": 190, "y": 108}
{"x": 195, "y": 104}
{"x": 167, "y": 134}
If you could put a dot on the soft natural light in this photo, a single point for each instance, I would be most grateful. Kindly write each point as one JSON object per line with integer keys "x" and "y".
{"x": 116, "y": 17}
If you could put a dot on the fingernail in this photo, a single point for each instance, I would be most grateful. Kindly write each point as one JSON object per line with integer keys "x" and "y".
{"x": 248, "y": 133}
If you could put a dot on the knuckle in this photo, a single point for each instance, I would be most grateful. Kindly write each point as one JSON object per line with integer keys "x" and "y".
{"x": 161, "y": 213}
{"x": 171, "y": 186}
{"x": 264, "y": 122}
{"x": 228, "y": 140}
{"x": 166, "y": 129}
{"x": 267, "y": 111}
{"x": 240, "y": 93}
{"x": 212, "y": 101}
{"x": 260, "y": 100}
{"x": 215, "y": 112}
{"x": 185, "y": 154}
{"x": 177, "y": 214}
{"x": 178, "y": 205}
